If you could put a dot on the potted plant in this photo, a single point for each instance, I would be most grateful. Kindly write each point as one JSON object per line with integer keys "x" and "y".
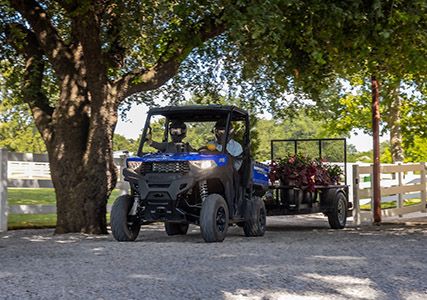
{"x": 302, "y": 171}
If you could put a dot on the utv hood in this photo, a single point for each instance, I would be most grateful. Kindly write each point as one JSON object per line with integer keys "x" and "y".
{"x": 220, "y": 158}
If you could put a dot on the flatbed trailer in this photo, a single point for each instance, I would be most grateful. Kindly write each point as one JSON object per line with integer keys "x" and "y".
{"x": 331, "y": 200}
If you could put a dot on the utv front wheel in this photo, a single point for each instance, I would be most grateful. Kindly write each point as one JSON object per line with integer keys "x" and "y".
{"x": 256, "y": 217}
{"x": 214, "y": 218}
{"x": 122, "y": 226}
{"x": 176, "y": 228}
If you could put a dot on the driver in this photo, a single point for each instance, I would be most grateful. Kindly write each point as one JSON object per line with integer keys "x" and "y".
{"x": 233, "y": 147}
{"x": 177, "y": 131}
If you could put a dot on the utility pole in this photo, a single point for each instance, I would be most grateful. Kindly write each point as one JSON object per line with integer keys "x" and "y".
{"x": 376, "y": 186}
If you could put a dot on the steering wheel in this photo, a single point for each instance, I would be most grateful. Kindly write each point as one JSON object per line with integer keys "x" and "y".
{"x": 202, "y": 148}
{"x": 207, "y": 150}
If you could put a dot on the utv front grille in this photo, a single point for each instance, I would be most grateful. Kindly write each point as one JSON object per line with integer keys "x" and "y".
{"x": 165, "y": 167}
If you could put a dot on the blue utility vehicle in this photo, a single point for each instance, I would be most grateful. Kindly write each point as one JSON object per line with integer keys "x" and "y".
{"x": 207, "y": 186}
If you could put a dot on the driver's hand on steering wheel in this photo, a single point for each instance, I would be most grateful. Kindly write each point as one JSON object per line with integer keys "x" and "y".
{"x": 208, "y": 147}
{"x": 148, "y": 137}
{"x": 211, "y": 147}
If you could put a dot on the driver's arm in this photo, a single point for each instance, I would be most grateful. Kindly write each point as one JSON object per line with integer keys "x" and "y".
{"x": 190, "y": 149}
{"x": 159, "y": 146}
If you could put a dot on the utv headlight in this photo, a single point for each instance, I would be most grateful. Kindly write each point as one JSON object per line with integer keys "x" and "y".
{"x": 203, "y": 164}
{"x": 133, "y": 164}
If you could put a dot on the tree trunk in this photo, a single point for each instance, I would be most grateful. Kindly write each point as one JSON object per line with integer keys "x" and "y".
{"x": 376, "y": 173}
{"x": 81, "y": 162}
{"x": 395, "y": 128}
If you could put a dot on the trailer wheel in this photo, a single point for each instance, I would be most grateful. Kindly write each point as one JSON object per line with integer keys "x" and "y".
{"x": 214, "y": 218}
{"x": 176, "y": 228}
{"x": 122, "y": 227}
{"x": 256, "y": 217}
{"x": 338, "y": 216}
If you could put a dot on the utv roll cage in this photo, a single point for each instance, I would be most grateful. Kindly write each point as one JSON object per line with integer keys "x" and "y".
{"x": 198, "y": 113}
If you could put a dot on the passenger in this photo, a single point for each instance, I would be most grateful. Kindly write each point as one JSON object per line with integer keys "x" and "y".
{"x": 177, "y": 131}
{"x": 233, "y": 147}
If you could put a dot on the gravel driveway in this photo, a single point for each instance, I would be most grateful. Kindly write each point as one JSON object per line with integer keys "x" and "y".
{"x": 298, "y": 258}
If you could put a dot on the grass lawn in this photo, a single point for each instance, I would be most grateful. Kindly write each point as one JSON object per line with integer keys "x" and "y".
{"x": 21, "y": 221}
{"x": 25, "y": 196}
{"x": 392, "y": 204}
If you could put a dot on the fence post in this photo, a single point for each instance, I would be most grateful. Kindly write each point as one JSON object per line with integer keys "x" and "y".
{"x": 3, "y": 190}
{"x": 356, "y": 208}
{"x": 371, "y": 177}
{"x": 423, "y": 187}
{"x": 400, "y": 196}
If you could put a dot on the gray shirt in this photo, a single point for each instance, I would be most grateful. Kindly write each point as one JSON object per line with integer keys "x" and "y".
{"x": 235, "y": 149}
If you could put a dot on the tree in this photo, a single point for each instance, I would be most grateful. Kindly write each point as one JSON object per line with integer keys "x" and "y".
{"x": 79, "y": 61}
{"x": 17, "y": 131}
{"x": 97, "y": 54}
{"x": 301, "y": 126}
{"x": 122, "y": 143}
{"x": 402, "y": 107}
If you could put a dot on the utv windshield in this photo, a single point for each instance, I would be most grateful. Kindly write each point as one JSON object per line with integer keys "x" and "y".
{"x": 195, "y": 134}
{"x": 190, "y": 131}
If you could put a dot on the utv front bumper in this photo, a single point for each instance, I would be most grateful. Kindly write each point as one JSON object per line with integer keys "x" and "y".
{"x": 159, "y": 194}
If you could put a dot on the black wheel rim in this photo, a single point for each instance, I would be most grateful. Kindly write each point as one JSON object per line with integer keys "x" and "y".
{"x": 221, "y": 219}
{"x": 341, "y": 213}
{"x": 132, "y": 223}
{"x": 262, "y": 219}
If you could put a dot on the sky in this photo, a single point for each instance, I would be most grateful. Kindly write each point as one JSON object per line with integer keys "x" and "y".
{"x": 132, "y": 127}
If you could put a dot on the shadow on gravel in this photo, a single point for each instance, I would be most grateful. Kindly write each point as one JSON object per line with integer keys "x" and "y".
{"x": 158, "y": 235}
{"x": 155, "y": 233}
{"x": 287, "y": 227}
{"x": 296, "y": 259}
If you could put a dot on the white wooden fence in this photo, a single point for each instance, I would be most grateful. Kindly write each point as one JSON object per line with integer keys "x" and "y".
{"x": 27, "y": 170}
{"x": 32, "y": 170}
{"x": 396, "y": 186}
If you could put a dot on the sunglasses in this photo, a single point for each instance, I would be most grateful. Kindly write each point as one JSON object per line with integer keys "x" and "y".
{"x": 220, "y": 131}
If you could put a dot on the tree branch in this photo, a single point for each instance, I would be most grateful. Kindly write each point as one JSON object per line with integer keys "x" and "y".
{"x": 86, "y": 28}
{"x": 33, "y": 77}
{"x": 47, "y": 36}
{"x": 168, "y": 64}
{"x": 115, "y": 55}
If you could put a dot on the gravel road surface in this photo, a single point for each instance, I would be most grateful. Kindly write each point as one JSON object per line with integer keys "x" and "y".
{"x": 298, "y": 258}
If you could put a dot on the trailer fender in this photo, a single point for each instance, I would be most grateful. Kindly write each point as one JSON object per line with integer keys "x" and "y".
{"x": 327, "y": 197}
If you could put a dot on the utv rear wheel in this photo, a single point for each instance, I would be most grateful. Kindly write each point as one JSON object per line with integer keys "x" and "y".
{"x": 176, "y": 228}
{"x": 256, "y": 217}
{"x": 214, "y": 218}
{"x": 122, "y": 226}
{"x": 338, "y": 216}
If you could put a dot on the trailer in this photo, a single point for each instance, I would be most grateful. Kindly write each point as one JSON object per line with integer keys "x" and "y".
{"x": 293, "y": 199}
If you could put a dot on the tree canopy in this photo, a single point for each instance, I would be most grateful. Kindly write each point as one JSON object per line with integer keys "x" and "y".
{"x": 75, "y": 62}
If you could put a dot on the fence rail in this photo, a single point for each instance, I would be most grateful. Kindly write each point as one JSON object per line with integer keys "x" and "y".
{"x": 27, "y": 170}
{"x": 32, "y": 170}
{"x": 398, "y": 188}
